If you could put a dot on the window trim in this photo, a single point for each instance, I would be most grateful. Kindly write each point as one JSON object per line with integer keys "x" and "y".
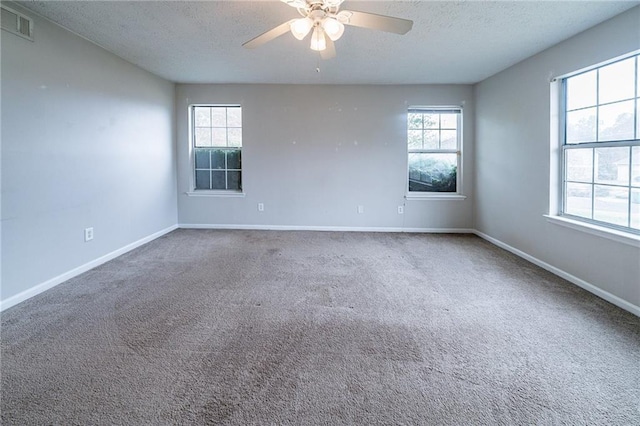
{"x": 559, "y": 217}
{"x": 425, "y": 195}
{"x": 595, "y": 229}
{"x": 192, "y": 191}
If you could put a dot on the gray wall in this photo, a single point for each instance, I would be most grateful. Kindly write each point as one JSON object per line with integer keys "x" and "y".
{"x": 513, "y": 161}
{"x": 312, "y": 154}
{"x": 87, "y": 140}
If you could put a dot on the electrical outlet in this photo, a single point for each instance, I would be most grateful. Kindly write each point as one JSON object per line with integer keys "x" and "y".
{"x": 400, "y": 209}
{"x": 88, "y": 234}
{"x": 360, "y": 209}
{"x": 260, "y": 207}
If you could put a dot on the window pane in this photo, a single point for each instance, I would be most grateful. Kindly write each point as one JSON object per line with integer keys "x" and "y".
{"x": 635, "y": 167}
{"x": 603, "y": 183}
{"x": 611, "y": 204}
{"x": 202, "y": 159}
{"x": 218, "y": 180}
{"x": 233, "y": 159}
{"x": 202, "y": 116}
{"x": 449, "y": 121}
{"x": 581, "y": 90}
{"x": 612, "y": 165}
{"x": 234, "y": 180}
{"x": 203, "y": 136}
{"x": 617, "y": 81}
{"x": 215, "y": 129}
{"x": 202, "y": 179}
{"x": 578, "y": 199}
{"x": 579, "y": 164}
{"x": 414, "y": 120}
{"x": 635, "y": 208}
{"x": 219, "y": 137}
{"x": 431, "y": 139}
{"x": 616, "y": 121}
{"x": 433, "y": 172}
{"x": 431, "y": 121}
{"x": 448, "y": 139}
{"x": 414, "y": 138}
{"x": 218, "y": 159}
{"x": 234, "y": 117}
{"x": 235, "y": 137}
{"x": 581, "y": 126}
{"x": 219, "y": 117}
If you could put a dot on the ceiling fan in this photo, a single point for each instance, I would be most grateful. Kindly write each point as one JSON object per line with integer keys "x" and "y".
{"x": 327, "y": 21}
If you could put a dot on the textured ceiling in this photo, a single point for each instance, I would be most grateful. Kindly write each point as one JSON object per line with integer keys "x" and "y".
{"x": 451, "y": 41}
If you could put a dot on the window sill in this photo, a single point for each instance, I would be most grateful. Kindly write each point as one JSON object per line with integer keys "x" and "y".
{"x": 215, "y": 194}
{"x": 449, "y": 197}
{"x": 600, "y": 231}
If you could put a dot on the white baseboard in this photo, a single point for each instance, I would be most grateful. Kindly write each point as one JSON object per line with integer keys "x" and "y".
{"x": 627, "y": 306}
{"x": 327, "y": 228}
{"x": 37, "y": 289}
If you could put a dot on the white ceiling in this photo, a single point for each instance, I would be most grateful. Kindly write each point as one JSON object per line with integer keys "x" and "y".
{"x": 451, "y": 41}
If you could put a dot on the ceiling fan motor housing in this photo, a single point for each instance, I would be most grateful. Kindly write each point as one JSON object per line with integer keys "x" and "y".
{"x": 317, "y": 15}
{"x": 327, "y": 7}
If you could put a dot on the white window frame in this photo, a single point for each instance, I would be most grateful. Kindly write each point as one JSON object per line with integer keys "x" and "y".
{"x": 609, "y": 230}
{"x": 426, "y": 195}
{"x": 193, "y": 192}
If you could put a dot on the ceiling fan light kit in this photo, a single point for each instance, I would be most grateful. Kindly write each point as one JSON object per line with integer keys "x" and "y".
{"x": 318, "y": 41}
{"x": 301, "y": 27}
{"x": 333, "y": 28}
{"x": 328, "y": 21}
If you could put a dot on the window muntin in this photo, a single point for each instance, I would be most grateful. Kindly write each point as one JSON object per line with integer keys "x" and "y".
{"x": 601, "y": 149}
{"x": 433, "y": 140}
{"x": 217, "y": 147}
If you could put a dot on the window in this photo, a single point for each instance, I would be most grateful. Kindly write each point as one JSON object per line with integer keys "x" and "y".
{"x": 601, "y": 149}
{"x": 434, "y": 138}
{"x": 217, "y": 147}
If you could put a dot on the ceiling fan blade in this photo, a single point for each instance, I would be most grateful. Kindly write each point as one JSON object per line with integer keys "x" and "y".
{"x": 376, "y": 22}
{"x": 330, "y": 51}
{"x": 268, "y": 36}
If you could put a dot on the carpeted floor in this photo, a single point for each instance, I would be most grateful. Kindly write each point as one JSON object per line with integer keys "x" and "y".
{"x": 318, "y": 328}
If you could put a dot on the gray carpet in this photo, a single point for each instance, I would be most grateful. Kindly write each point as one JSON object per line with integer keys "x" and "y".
{"x": 318, "y": 328}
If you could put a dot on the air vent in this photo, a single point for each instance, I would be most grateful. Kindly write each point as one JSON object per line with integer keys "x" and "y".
{"x": 17, "y": 23}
